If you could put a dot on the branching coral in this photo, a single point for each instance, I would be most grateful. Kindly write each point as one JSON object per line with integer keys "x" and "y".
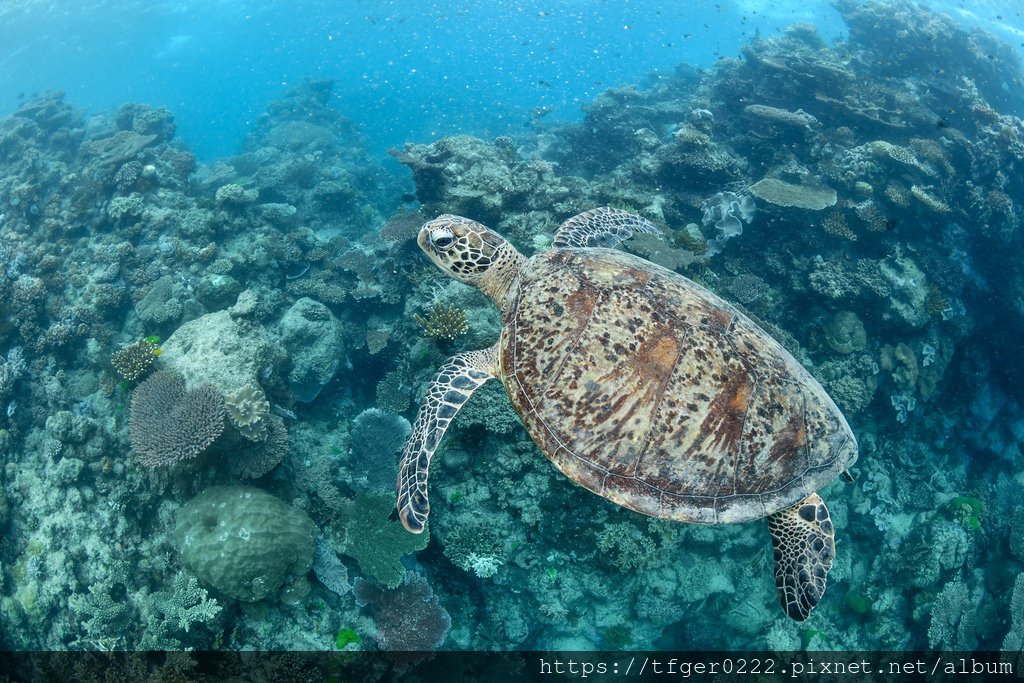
{"x": 134, "y": 360}
{"x": 629, "y": 546}
{"x": 928, "y": 199}
{"x": 475, "y": 547}
{"x": 169, "y": 424}
{"x": 835, "y": 224}
{"x": 446, "y": 321}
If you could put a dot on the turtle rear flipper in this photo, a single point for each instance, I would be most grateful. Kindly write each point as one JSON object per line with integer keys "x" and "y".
{"x": 804, "y": 543}
{"x": 454, "y": 383}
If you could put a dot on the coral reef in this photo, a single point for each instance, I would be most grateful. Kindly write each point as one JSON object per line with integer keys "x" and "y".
{"x": 299, "y": 322}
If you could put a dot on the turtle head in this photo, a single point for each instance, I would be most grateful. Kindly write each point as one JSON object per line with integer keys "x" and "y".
{"x": 471, "y": 253}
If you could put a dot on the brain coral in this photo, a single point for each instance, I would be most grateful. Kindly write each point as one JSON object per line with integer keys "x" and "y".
{"x": 243, "y": 541}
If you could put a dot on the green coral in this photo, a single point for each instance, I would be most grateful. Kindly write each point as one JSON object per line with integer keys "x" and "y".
{"x": 378, "y": 542}
{"x": 346, "y": 637}
{"x": 967, "y": 509}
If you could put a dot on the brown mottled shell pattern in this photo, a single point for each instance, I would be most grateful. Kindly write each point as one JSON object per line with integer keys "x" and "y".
{"x": 651, "y": 391}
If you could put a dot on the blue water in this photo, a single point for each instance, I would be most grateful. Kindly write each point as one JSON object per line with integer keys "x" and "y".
{"x": 406, "y": 70}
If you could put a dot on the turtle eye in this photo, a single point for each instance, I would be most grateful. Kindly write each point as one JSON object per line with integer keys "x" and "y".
{"x": 443, "y": 239}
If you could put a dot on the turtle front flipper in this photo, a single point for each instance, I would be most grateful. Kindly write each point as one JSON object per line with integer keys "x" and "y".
{"x": 603, "y": 227}
{"x": 804, "y": 542}
{"x": 454, "y": 383}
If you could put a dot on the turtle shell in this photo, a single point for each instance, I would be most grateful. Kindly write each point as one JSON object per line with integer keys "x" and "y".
{"x": 648, "y": 389}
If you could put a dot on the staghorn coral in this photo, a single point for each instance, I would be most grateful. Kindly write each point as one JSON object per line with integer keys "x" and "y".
{"x": 871, "y": 216}
{"x": 835, "y": 224}
{"x": 169, "y": 424}
{"x": 181, "y": 607}
{"x": 922, "y": 195}
{"x": 904, "y": 156}
{"x": 475, "y": 547}
{"x": 134, "y": 360}
{"x": 446, "y": 321}
{"x": 898, "y": 195}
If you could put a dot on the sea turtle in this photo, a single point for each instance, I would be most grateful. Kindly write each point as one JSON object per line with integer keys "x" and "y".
{"x": 643, "y": 387}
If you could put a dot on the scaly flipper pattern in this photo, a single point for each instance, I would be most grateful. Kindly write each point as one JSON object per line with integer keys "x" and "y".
{"x": 804, "y": 542}
{"x": 603, "y": 227}
{"x": 454, "y": 383}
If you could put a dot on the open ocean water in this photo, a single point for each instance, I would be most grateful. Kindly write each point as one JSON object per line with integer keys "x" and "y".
{"x": 217, "y": 329}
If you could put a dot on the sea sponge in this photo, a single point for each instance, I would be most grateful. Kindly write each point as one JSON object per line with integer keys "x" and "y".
{"x": 244, "y": 541}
